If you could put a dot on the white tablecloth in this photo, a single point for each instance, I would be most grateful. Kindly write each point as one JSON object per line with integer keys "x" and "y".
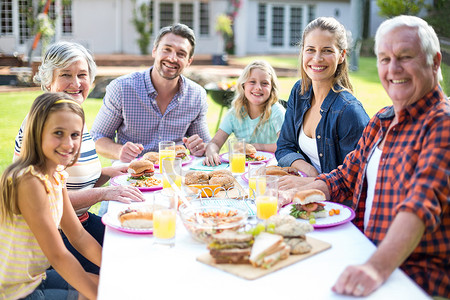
{"x": 133, "y": 268}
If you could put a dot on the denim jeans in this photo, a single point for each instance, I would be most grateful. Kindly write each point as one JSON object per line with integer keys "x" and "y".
{"x": 54, "y": 287}
{"x": 96, "y": 228}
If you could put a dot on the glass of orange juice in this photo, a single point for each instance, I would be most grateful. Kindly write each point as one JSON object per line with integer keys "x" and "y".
{"x": 165, "y": 150}
{"x": 171, "y": 167}
{"x": 236, "y": 148}
{"x": 266, "y": 191}
{"x": 255, "y": 169}
{"x": 164, "y": 218}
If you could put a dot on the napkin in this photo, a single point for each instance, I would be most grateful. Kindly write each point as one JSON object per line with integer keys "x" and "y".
{"x": 200, "y": 167}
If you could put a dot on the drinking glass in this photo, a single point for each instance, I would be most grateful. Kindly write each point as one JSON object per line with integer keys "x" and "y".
{"x": 165, "y": 151}
{"x": 266, "y": 191}
{"x": 171, "y": 167}
{"x": 236, "y": 153}
{"x": 255, "y": 169}
{"x": 164, "y": 218}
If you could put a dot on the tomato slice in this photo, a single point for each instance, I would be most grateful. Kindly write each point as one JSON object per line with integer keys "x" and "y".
{"x": 310, "y": 207}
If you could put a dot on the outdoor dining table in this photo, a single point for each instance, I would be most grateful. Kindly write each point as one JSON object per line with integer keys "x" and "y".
{"x": 134, "y": 268}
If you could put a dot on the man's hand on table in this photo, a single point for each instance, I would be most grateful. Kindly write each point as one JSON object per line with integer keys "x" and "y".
{"x": 130, "y": 151}
{"x": 195, "y": 145}
{"x": 291, "y": 181}
{"x": 360, "y": 280}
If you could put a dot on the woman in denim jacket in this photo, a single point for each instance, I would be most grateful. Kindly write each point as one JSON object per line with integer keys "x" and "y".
{"x": 323, "y": 121}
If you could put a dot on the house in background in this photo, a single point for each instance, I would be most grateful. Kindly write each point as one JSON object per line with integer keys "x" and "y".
{"x": 105, "y": 26}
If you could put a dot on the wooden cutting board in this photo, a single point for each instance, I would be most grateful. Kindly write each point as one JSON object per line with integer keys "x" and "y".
{"x": 249, "y": 272}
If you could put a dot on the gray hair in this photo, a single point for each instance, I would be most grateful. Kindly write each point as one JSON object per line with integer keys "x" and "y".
{"x": 60, "y": 55}
{"x": 429, "y": 41}
{"x": 180, "y": 30}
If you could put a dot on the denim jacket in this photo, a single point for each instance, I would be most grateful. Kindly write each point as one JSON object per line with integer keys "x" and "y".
{"x": 342, "y": 123}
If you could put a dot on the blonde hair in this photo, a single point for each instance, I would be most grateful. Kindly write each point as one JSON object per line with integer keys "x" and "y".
{"x": 32, "y": 153}
{"x": 341, "y": 75}
{"x": 240, "y": 102}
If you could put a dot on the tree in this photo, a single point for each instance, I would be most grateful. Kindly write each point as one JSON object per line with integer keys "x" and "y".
{"x": 392, "y": 8}
{"x": 143, "y": 25}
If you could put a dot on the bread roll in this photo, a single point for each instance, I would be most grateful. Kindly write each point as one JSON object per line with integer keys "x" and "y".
{"x": 309, "y": 196}
{"x": 131, "y": 218}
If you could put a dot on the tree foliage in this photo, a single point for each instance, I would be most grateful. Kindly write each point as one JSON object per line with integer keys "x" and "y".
{"x": 392, "y": 8}
{"x": 143, "y": 25}
{"x": 438, "y": 14}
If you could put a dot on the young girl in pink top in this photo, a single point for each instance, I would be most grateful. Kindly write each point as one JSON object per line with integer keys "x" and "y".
{"x": 34, "y": 204}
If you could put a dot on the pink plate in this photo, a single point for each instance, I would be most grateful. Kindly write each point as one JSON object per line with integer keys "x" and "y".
{"x": 244, "y": 176}
{"x": 187, "y": 160}
{"x": 346, "y": 215}
{"x": 268, "y": 156}
{"x": 123, "y": 180}
{"x": 112, "y": 220}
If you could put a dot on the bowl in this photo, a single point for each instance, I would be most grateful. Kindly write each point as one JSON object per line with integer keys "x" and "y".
{"x": 202, "y": 219}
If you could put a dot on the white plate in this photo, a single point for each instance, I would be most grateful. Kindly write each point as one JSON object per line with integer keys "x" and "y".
{"x": 112, "y": 220}
{"x": 346, "y": 215}
{"x": 123, "y": 180}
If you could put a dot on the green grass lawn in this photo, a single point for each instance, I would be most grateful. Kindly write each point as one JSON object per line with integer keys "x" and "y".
{"x": 14, "y": 106}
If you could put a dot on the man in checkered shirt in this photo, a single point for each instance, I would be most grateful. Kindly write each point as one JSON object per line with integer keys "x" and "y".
{"x": 159, "y": 104}
{"x": 398, "y": 176}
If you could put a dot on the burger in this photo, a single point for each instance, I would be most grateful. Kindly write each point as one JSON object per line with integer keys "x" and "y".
{"x": 180, "y": 151}
{"x": 305, "y": 204}
{"x": 250, "y": 152}
{"x": 140, "y": 168}
{"x": 152, "y": 156}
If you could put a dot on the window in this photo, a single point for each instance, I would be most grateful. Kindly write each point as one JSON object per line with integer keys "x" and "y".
{"x": 166, "y": 14}
{"x": 67, "y": 18}
{"x": 262, "y": 20}
{"x": 296, "y": 25}
{"x": 187, "y": 14}
{"x": 24, "y": 30}
{"x": 6, "y": 17}
{"x": 204, "y": 18}
{"x": 311, "y": 13}
{"x": 277, "y": 26}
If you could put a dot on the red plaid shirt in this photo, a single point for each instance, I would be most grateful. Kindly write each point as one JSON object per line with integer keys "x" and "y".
{"x": 413, "y": 176}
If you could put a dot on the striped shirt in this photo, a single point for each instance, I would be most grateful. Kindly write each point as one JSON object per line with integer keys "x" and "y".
{"x": 267, "y": 134}
{"x": 130, "y": 113}
{"x": 22, "y": 262}
{"x": 413, "y": 176}
{"x": 84, "y": 173}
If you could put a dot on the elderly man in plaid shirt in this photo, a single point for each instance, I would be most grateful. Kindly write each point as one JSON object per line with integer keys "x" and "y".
{"x": 398, "y": 176}
{"x": 159, "y": 104}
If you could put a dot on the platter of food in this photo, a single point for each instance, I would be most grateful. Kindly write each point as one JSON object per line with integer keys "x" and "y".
{"x": 219, "y": 184}
{"x": 113, "y": 220}
{"x": 345, "y": 215}
{"x": 259, "y": 156}
{"x": 143, "y": 183}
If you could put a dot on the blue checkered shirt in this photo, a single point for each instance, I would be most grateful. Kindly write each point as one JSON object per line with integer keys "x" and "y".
{"x": 130, "y": 113}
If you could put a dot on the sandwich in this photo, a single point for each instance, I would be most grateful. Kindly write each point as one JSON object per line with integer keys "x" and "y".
{"x": 268, "y": 249}
{"x": 132, "y": 218}
{"x": 231, "y": 247}
{"x": 293, "y": 232}
{"x": 140, "y": 168}
{"x": 152, "y": 156}
{"x": 180, "y": 151}
{"x": 305, "y": 204}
